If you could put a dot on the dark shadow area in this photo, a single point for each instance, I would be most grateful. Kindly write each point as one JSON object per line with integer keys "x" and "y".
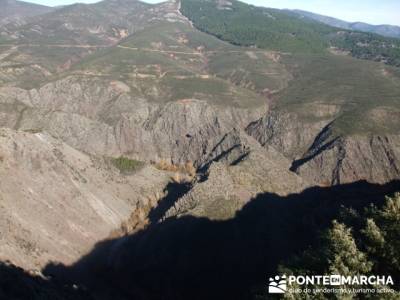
{"x": 17, "y": 284}
{"x": 317, "y": 147}
{"x": 196, "y": 258}
{"x": 174, "y": 191}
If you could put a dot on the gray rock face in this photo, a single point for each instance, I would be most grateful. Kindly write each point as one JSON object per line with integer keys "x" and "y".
{"x": 338, "y": 160}
{"x": 102, "y": 118}
{"x": 323, "y": 157}
{"x": 286, "y": 132}
{"x": 215, "y": 198}
{"x": 238, "y": 169}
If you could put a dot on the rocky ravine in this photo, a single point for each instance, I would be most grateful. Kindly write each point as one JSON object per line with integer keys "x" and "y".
{"x": 234, "y": 175}
{"x": 64, "y": 125}
{"x": 60, "y": 195}
{"x": 56, "y": 202}
{"x": 105, "y": 120}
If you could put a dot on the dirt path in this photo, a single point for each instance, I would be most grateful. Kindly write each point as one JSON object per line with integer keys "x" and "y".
{"x": 7, "y": 52}
{"x": 56, "y": 46}
{"x": 160, "y": 51}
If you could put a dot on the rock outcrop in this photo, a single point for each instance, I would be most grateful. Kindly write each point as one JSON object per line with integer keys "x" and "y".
{"x": 237, "y": 170}
{"x": 337, "y": 160}
{"x": 287, "y": 132}
{"x": 103, "y": 118}
{"x": 324, "y": 156}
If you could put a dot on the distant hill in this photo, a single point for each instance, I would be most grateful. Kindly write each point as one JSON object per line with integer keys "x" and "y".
{"x": 284, "y": 30}
{"x": 101, "y": 23}
{"x": 385, "y": 30}
{"x": 18, "y": 11}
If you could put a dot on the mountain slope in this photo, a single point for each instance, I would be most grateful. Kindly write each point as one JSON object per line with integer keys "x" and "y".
{"x": 385, "y": 30}
{"x": 170, "y": 92}
{"x": 356, "y": 98}
{"x": 247, "y": 25}
{"x": 13, "y": 11}
{"x": 282, "y": 30}
{"x": 181, "y": 154}
{"x": 51, "y": 44}
{"x": 162, "y": 96}
{"x": 159, "y": 94}
{"x": 101, "y": 23}
{"x": 56, "y": 202}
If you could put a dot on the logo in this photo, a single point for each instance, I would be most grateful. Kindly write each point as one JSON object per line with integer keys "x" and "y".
{"x": 337, "y": 283}
{"x": 277, "y": 285}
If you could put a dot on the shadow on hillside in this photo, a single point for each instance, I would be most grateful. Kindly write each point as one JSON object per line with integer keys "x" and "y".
{"x": 17, "y": 284}
{"x": 196, "y": 258}
{"x": 174, "y": 191}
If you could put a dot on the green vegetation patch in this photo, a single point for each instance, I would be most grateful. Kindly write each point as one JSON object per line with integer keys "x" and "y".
{"x": 126, "y": 165}
{"x": 366, "y": 93}
{"x": 213, "y": 90}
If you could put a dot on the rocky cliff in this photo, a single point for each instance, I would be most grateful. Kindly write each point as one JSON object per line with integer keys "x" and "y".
{"x": 337, "y": 159}
{"x": 104, "y": 118}
{"x": 324, "y": 156}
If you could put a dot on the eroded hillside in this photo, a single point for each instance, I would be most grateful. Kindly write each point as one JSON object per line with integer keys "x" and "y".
{"x": 120, "y": 117}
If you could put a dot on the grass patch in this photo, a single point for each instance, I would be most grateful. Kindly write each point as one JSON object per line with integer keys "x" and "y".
{"x": 126, "y": 165}
{"x": 256, "y": 73}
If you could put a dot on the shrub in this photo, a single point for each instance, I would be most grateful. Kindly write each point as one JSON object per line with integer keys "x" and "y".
{"x": 186, "y": 169}
{"x": 33, "y": 130}
{"x": 164, "y": 165}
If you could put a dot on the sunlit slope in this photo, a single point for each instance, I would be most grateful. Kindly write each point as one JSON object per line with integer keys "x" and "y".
{"x": 366, "y": 95}
{"x": 18, "y": 12}
{"x": 174, "y": 61}
{"x": 283, "y": 30}
{"x": 51, "y": 43}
